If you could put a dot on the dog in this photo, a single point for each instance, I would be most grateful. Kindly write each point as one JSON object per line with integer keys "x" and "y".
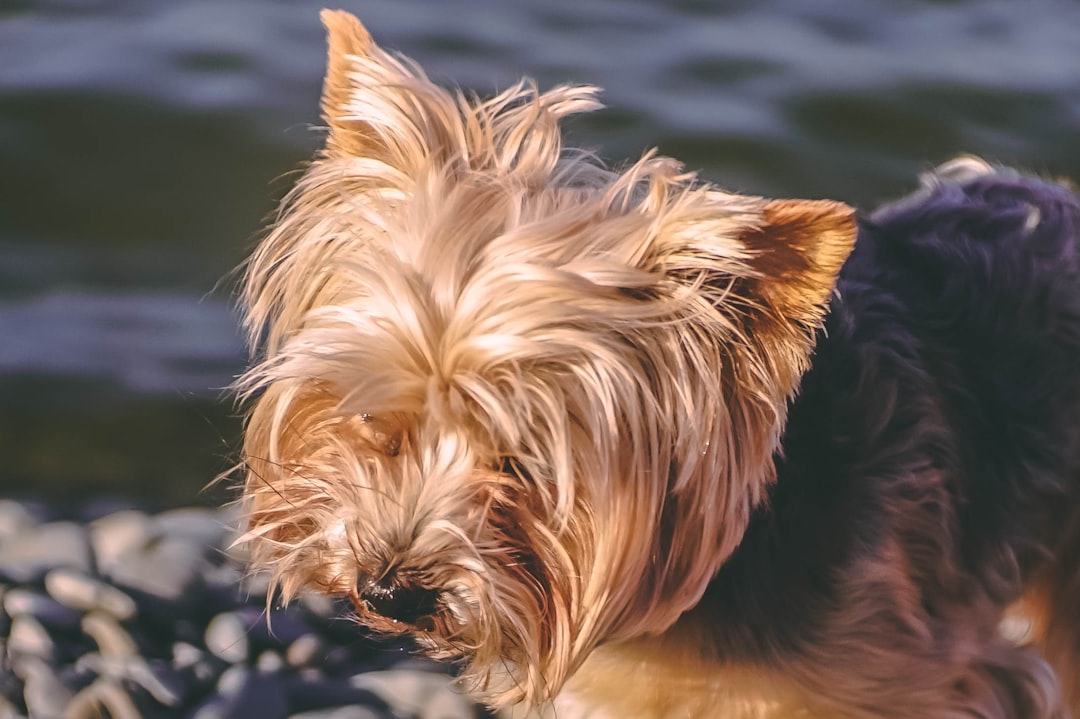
{"x": 624, "y": 441}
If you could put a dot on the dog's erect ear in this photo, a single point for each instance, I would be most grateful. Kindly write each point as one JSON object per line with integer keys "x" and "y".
{"x": 796, "y": 255}
{"x": 347, "y": 39}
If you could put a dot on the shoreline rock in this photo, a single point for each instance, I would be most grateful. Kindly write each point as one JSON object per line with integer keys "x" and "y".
{"x": 138, "y": 615}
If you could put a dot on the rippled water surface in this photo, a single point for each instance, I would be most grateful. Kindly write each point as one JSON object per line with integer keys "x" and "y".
{"x": 142, "y": 142}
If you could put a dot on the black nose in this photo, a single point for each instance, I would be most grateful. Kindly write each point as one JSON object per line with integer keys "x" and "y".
{"x": 401, "y": 602}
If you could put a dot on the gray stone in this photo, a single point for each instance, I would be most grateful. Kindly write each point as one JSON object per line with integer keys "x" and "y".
{"x": 29, "y": 638}
{"x": 245, "y": 693}
{"x": 426, "y": 695}
{"x": 233, "y": 679}
{"x": 112, "y": 639}
{"x": 307, "y": 691}
{"x": 227, "y": 637}
{"x": 169, "y": 570}
{"x": 200, "y": 665}
{"x": 306, "y": 650}
{"x": 269, "y": 662}
{"x": 353, "y": 712}
{"x": 118, "y": 535}
{"x": 165, "y": 685}
{"x": 18, "y": 601}
{"x": 102, "y": 696}
{"x": 159, "y": 680}
{"x": 320, "y": 605}
{"x": 186, "y": 655}
{"x": 28, "y": 555}
{"x": 81, "y": 591}
{"x": 45, "y": 695}
{"x": 15, "y": 517}
{"x": 227, "y": 577}
{"x": 201, "y": 526}
{"x": 448, "y": 704}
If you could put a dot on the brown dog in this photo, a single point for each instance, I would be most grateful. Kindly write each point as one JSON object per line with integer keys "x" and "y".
{"x": 535, "y": 412}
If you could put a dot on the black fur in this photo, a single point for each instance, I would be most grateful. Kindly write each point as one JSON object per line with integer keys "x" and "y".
{"x": 931, "y": 464}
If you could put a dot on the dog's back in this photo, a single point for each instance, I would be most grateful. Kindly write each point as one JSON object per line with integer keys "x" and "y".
{"x": 931, "y": 464}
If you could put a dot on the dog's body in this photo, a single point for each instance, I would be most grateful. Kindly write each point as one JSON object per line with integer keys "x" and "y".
{"x": 543, "y": 416}
{"x": 928, "y": 476}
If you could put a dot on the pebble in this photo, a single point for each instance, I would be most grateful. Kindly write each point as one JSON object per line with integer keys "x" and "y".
{"x": 112, "y": 639}
{"x": 314, "y": 690}
{"x": 15, "y": 518}
{"x": 209, "y": 529}
{"x": 79, "y": 590}
{"x": 159, "y": 679}
{"x": 140, "y": 616}
{"x": 105, "y": 695}
{"x": 116, "y": 536}
{"x": 45, "y": 695}
{"x": 305, "y": 650}
{"x": 18, "y": 601}
{"x": 198, "y": 664}
{"x": 29, "y": 554}
{"x": 423, "y": 694}
{"x": 353, "y": 712}
{"x": 29, "y": 638}
{"x": 270, "y": 662}
{"x": 169, "y": 569}
{"x": 227, "y": 637}
{"x": 246, "y": 693}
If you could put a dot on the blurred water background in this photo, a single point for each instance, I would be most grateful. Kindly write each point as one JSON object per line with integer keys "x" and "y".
{"x": 143, "y": 142}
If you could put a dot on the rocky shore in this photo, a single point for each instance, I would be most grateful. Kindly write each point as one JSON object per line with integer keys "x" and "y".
{"x": 123, "y": 613}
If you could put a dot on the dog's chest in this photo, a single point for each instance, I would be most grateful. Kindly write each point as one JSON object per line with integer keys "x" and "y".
{"x": 645, "y": 680}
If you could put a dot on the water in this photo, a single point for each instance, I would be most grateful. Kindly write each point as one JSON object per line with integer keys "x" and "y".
{"x": 143, "y": 142}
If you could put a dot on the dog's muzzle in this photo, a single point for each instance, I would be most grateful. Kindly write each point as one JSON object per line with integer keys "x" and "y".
{"x": 403, "y": 603}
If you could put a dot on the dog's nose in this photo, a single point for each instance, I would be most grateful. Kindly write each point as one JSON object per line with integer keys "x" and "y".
{"x": 401, "y": 602}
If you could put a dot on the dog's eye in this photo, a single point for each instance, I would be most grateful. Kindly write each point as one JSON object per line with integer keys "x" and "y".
{"x": 513, "y": 467}
{"x": 380, "y": 433}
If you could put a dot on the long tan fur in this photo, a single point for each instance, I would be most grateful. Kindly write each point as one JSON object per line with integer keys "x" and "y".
{"x": 474, "y": 352}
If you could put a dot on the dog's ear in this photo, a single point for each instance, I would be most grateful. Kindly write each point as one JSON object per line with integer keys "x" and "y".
{"x": 796, "y": 254}
{"x": 347, "y": 40}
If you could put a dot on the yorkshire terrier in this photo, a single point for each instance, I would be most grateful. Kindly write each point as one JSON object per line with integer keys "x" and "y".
{"x": 625, "y": 441}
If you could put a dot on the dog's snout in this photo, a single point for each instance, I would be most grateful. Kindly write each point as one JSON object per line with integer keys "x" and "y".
{"x": 404, "y": 603}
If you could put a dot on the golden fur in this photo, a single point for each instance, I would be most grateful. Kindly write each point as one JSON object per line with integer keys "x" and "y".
{"x": 477, "y": 353}
{"x": 540, "y": 414}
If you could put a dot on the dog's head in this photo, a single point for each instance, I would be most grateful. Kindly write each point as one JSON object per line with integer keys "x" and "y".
{"x": 510, "y": 401}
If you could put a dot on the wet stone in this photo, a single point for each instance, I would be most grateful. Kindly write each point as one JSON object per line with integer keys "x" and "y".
{"x": 169, "y": 570}
{"x": 111, "y": 638}
{"x": 426, "y": 695}
{"x": 45, "y": 695}
{"x": 313, "y": 690}
{"x": 18, "y": 601}
{"x": 117, "y": 535}
{"x": 305, "y": 650}
{"x": 104, "y": 695}
{"x": 80, "y": 591}
{"x": 15, "y": 517}
{"x": 27, "y": 556}
{"x": 198, "y": 666}
{"x": 245, "y": 693}
{"x": 202, "y": 526}
{"x": 270, "y": 662}
{"x": 156, "y": 677}
{"x": 29, "y": 638}
{"x": 227, "y": 637}
{"x": 163, "y": 588}
{"x": 352, "y": 712}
